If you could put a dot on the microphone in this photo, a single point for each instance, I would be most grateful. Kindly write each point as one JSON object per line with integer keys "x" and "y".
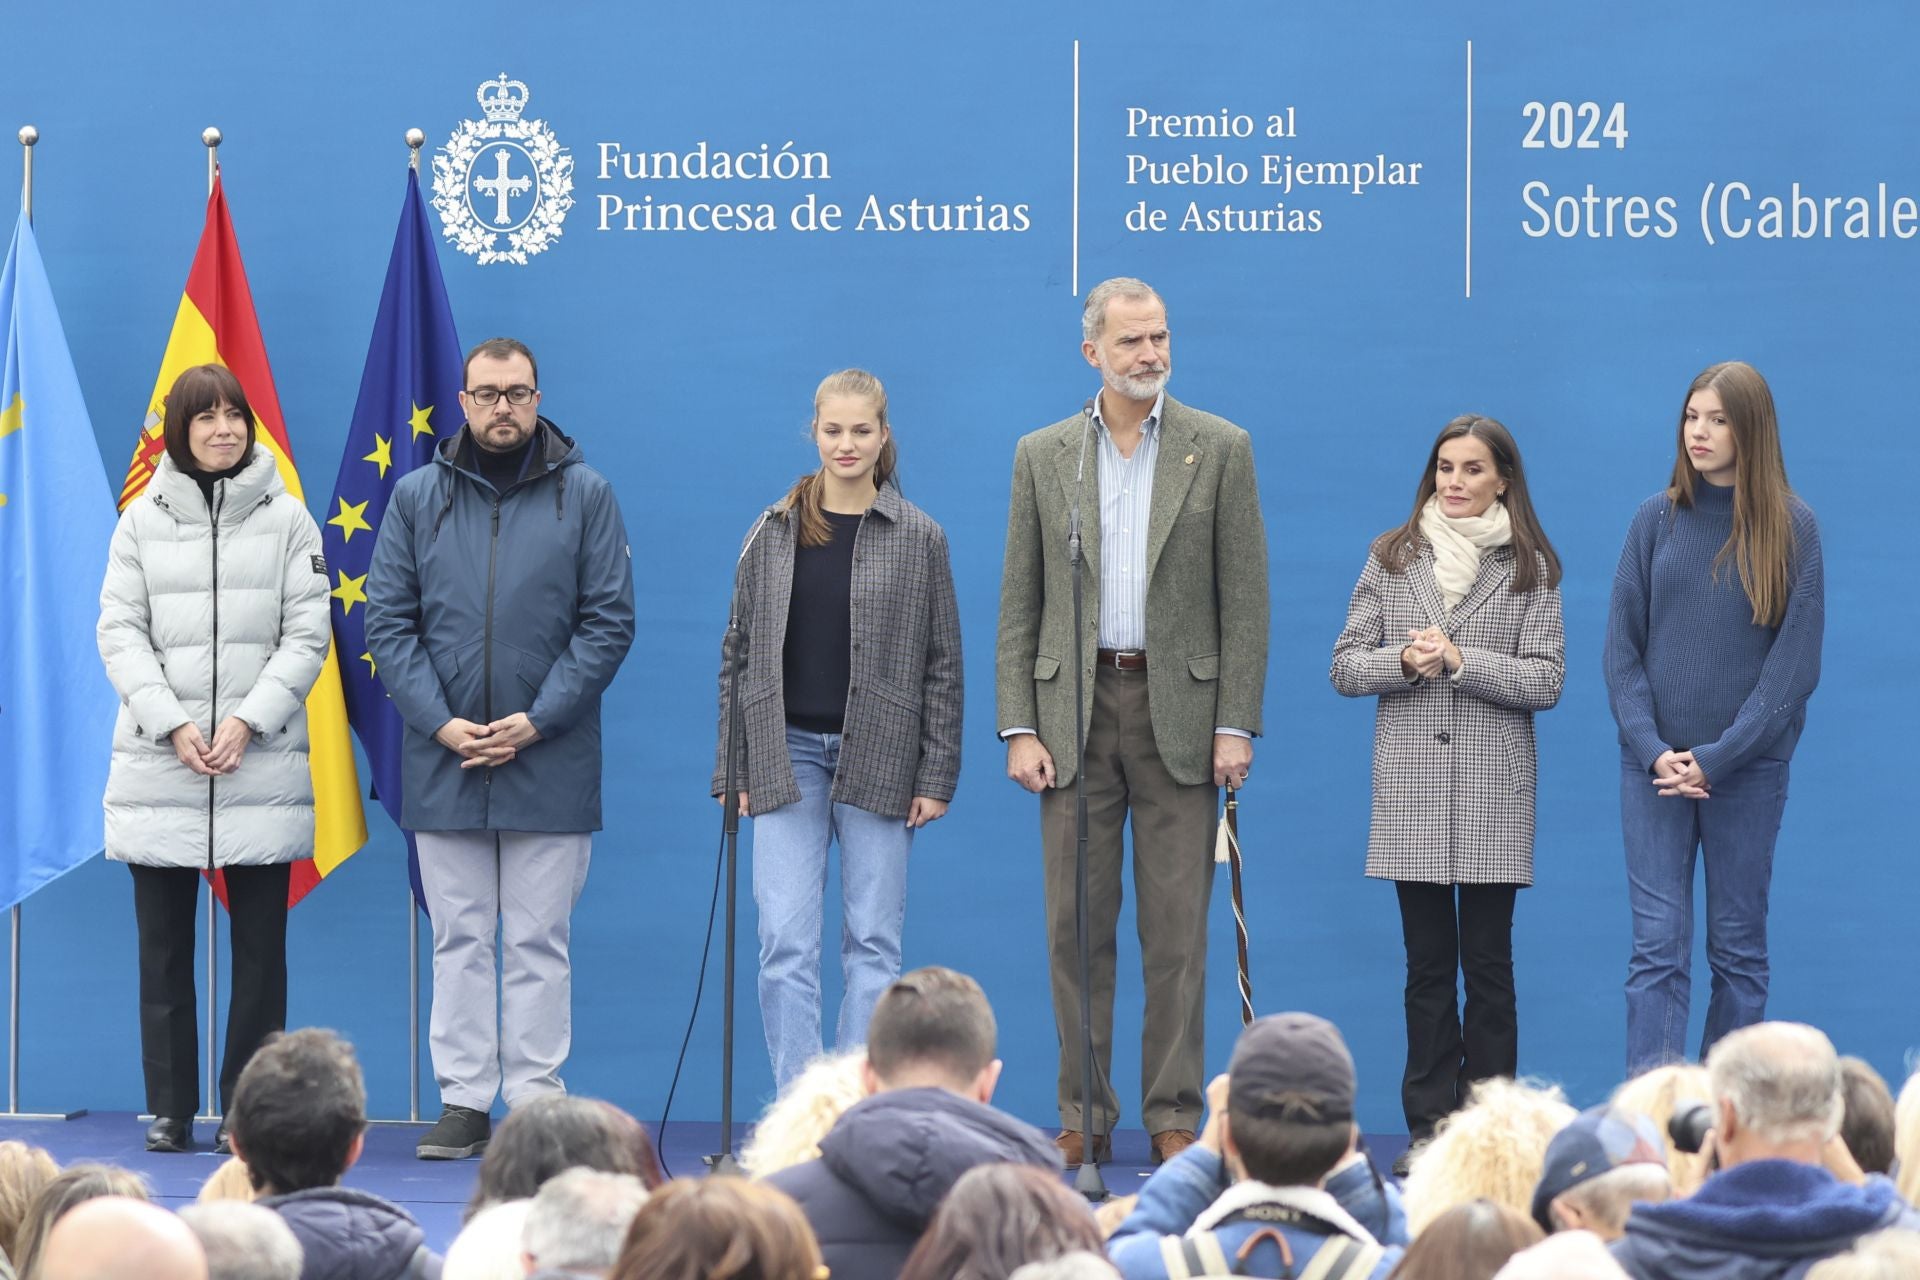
{"x": 1079, "y": 476}
{"x": 733, "y": 603}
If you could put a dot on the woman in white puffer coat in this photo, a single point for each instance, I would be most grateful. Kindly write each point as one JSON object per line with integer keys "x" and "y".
{"x": 213, "y": 626}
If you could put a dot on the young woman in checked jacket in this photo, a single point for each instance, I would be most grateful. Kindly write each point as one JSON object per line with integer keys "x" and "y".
{"x": 850, "y": 707}
{"x": 1455, "y": 628}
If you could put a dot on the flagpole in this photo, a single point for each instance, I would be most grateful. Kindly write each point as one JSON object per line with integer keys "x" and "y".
{"x": 211, "y": 1110}
{"x": 416, "y": 138}
{"x": 28, "y": 137}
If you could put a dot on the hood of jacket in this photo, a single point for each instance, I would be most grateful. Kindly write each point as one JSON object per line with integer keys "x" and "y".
{"x": 905, "y": 1148}
{"x": 553, "y": 452}
{"x": 348, "y": 1234}
{"x": 178, "y": 494}
{"x": 1766, "y": 1212}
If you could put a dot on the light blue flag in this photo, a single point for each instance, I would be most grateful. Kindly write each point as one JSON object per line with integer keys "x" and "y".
{"x": 56, "y": 521}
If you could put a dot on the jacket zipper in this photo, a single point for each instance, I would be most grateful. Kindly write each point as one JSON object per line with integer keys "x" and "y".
{"x": 493, "y": 547}
{"x": 213, "y": 694}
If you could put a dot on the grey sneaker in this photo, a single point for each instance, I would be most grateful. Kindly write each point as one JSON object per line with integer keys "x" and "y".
{"x": 459, "y": 1133}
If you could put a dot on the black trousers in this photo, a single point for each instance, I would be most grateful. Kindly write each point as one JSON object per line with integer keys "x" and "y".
{"x": 1446, "y": 1053}
{"x": 164, "y": 908}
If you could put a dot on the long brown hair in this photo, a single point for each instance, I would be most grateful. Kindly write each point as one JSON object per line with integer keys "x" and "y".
{"x": 1398, "y": 547}
{"x": 1762, "y": 543}
{"x": 803, "y": 501}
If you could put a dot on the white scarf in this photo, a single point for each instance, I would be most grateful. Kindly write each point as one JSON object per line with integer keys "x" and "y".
{"x": 1458, "y": 542}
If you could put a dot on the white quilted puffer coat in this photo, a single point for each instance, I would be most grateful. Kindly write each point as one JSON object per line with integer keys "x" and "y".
{"x": 202, "y": 618}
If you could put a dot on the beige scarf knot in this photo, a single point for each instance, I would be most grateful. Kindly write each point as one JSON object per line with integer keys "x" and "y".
{"x": 1458, "y": 543}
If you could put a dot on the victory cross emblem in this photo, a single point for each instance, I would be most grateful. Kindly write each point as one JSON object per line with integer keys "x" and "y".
{"x": 502, "y": 176}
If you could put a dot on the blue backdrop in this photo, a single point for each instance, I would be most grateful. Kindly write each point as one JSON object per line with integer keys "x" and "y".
{"x": 1484, "y": 280}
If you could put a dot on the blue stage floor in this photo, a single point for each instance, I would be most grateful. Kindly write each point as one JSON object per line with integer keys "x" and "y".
{"x": 436, "y": 1191}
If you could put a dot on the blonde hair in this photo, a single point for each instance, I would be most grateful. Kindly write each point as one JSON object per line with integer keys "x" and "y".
{"x": 790, "y": 1131}
{"x": 23, "y": 1171}
{"x": 803, "y": 501}
{"x": 1885, "y": 1255}
{"x": 1654, "y": 1094}
{"x": 1492, "y": 1149}
{"x": 1906, "y": 1138}
{"x": 228, "y": 1182}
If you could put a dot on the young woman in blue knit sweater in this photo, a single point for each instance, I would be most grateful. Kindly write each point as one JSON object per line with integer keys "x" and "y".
{"x": 1713, "y": 647}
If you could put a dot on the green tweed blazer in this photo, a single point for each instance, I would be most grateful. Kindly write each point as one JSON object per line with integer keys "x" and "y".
{"x": 1206, "y": 590}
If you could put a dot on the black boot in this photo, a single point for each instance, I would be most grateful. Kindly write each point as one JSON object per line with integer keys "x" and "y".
{"x": 167, "y": 1133}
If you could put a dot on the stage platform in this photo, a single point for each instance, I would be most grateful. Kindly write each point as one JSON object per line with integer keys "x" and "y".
{"x": 436, "y": 1191}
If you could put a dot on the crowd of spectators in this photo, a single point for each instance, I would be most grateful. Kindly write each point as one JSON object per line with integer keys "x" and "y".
{"x": 1776, "y": 1159}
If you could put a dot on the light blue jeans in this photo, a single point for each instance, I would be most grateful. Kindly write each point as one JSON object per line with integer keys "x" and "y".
{"x": 1733, "y": 833}
{"x": 789, "y": 887}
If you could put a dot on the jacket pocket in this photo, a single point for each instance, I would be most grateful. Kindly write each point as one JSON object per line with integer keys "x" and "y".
{"x": 445, "y": 665}
{"x": 1204, "y": 667}
{"x": 1045, "y": 668}
{"x": 898, "y": 697}
{"x": 532, "y": 673}
{"x": 1516, "y": 757}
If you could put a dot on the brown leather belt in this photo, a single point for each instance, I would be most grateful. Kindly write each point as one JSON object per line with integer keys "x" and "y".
{"x": 1123, "y": 659}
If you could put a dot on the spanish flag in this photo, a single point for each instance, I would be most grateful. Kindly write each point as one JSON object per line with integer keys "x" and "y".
{"x": 216, "y": 325}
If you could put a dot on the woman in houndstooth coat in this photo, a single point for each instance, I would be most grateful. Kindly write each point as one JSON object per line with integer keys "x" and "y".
{"x": 1455, "y": 628}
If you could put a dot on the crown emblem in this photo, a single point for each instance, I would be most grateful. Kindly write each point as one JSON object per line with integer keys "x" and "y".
{"x": 502, "y": 99}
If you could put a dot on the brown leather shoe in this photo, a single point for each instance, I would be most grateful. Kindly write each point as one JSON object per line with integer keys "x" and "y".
{"x": 1169, "y": 1143}
{"x": 1072, "y": 1149}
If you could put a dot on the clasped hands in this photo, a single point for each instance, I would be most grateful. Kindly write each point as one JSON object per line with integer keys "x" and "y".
{"x": 1429, "y": 653}
{"x": 223, "y": 755}
{"x": 1675, "y": 773}
{"x": 487, "y": 745}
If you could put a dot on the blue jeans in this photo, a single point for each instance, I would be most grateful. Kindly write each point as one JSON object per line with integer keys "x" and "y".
{"x": 1735, "y": 831}
{"x": 789, "y": 885}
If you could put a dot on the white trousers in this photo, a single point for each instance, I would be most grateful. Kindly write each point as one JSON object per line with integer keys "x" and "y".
{"x": 520, "y": 887}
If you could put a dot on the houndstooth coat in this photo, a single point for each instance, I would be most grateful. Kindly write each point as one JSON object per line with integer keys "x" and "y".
{"x": 902, "y": 732}
{"x": 1453, "y": 758}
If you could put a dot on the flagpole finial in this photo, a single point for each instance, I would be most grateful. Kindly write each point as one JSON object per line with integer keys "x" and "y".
{"x": 416, "y": 139}
{"x": 210, "y": 136}
{"x": 28, "y": 136}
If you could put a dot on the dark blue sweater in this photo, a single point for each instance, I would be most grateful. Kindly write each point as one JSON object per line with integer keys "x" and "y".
{"x": 1687, "y": 669}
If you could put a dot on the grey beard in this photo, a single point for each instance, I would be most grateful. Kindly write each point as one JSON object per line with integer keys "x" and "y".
{"x": 1141, "y": 388}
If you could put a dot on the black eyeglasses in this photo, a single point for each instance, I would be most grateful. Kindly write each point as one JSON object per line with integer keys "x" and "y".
{"x": 491, "y": 395}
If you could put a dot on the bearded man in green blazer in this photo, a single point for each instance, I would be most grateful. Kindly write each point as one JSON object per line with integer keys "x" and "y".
{"x": 1174, "y": 637}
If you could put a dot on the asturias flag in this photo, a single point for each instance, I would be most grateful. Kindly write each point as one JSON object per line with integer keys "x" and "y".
{"x": 56, "y": 707}
{"x": 409, "y": 401}
{"x": 216, "y": 325}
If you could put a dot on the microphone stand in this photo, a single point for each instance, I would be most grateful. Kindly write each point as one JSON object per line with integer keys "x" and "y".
{"x": 1087, "y": 1181}
{"x": 723, "y": 1162}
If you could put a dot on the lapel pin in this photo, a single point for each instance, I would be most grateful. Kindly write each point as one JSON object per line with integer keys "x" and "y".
{"x": 1189, "y": 459}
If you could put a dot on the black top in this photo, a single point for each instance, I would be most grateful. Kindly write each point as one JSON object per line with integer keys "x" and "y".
{"x": 207, "y": 479}
{"x": 502, "y": 470}
{"x": 817, "y": 663}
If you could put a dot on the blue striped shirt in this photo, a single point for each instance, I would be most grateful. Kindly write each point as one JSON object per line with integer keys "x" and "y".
{"x": 1126, "y": 496}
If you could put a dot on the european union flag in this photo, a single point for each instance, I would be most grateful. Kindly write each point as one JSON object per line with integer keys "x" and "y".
{"x": 56, "y": 520}
{"x": 409, "y": 401}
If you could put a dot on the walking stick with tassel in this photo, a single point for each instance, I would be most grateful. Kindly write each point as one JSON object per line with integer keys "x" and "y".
{"x": 1226, "y": 848}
